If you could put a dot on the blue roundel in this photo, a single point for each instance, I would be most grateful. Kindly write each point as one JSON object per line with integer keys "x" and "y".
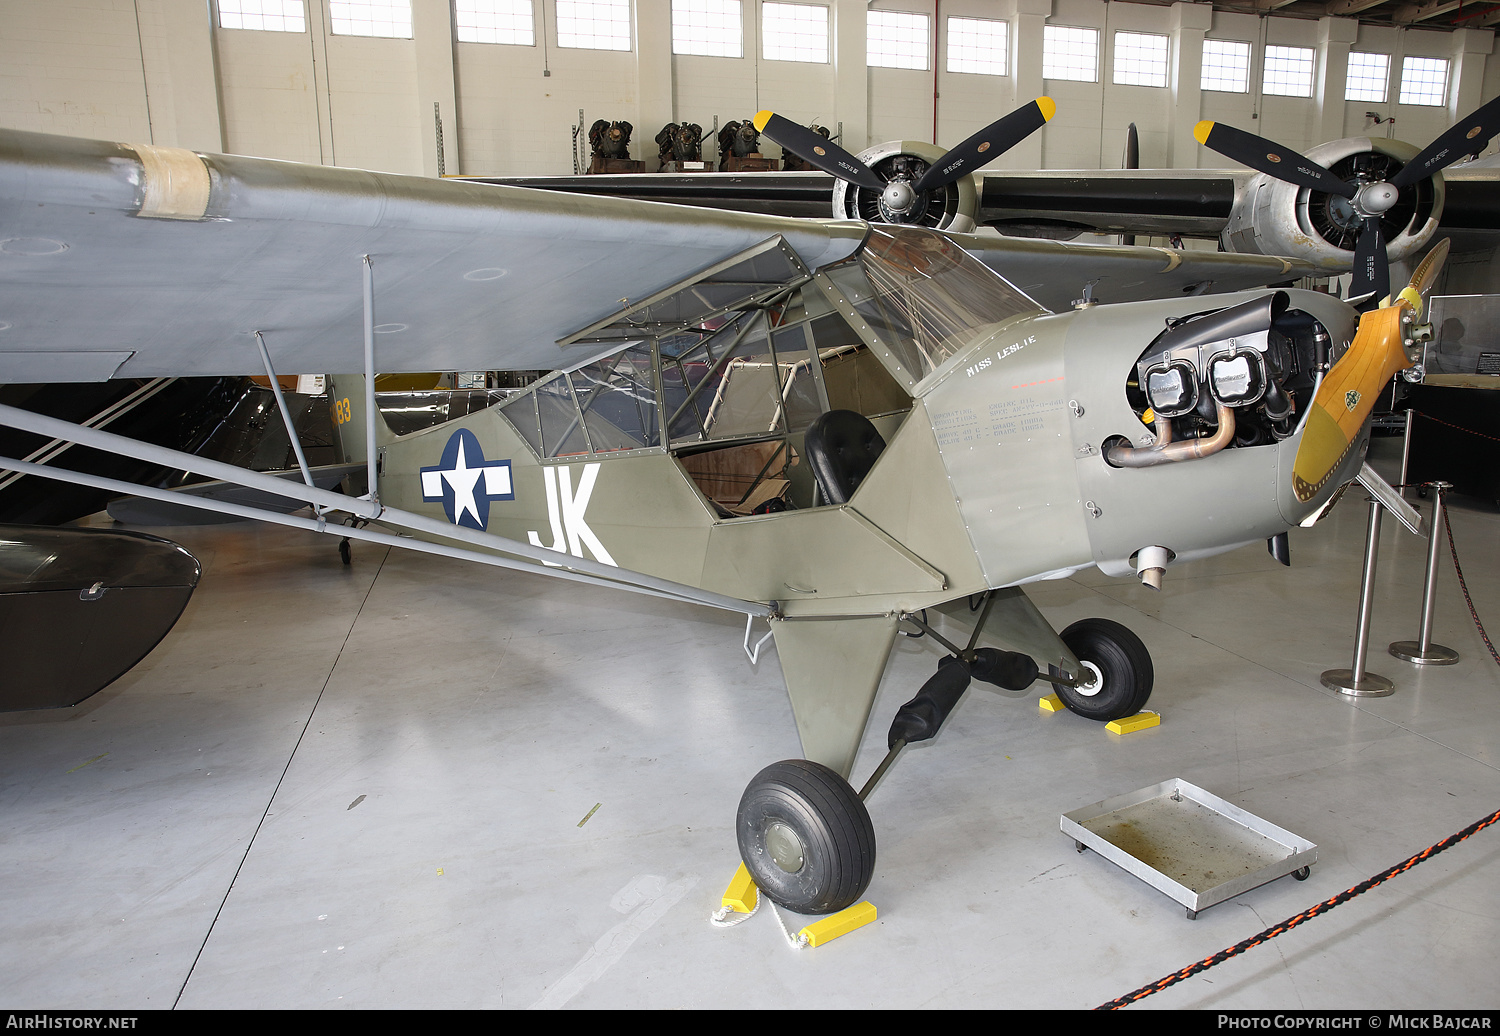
{"x": 465, "y": 482}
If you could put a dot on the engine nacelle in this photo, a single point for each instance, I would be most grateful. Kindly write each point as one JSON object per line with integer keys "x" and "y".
{"x": 951, "y": 207}
{"x": 1273, "y": 217}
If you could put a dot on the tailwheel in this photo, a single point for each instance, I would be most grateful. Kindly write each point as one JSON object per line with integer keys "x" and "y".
{"x": 806, "y": 837}
{"x": 1120, "y": 665}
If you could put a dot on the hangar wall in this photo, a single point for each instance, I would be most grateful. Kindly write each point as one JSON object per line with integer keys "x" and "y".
{"x": 162, "y": 71}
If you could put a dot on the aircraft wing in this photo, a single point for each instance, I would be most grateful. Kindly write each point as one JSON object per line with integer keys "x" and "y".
{"x": 1192, "y": 202}
{"x": 136, "y": 261}
{"x": 1151, "y": 201}
{"x": 1049, "y": 202}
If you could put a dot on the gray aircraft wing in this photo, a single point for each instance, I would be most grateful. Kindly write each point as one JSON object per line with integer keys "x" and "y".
{"x": 138, "y": 261}
{"x": 125, "y": 261}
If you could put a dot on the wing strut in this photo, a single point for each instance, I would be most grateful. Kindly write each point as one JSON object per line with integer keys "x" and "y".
{"x": 286, "y": 416}
{"x": 371, "y": 414}
{"x": 555, "y": 563}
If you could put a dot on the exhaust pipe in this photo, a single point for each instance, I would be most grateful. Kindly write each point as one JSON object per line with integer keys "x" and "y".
{"x": 1165, "y": 451}
{"x": 1151, "y": 563}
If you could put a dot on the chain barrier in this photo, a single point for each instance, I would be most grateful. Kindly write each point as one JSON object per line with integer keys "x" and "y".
{"x": 1464, "y": 586}
{"x": 1367, "y": 884}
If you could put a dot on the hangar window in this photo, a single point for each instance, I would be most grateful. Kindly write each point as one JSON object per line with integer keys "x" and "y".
{"x": 269, "y": 15}
{"x": 494, "y": 21}
{"x": 711, "y": 27}
{"x": 896, "y": 39}
{"x": 1140, "y": 59}
{"x": 1368, "y": 74}
{"x": 978, "y": 45}
{"x": 593, "y": 24}
{"x": 388, "y": 18}
{"x": 1289, "y": 71}
{"x": 794, "y": 32}
{"x": 1070, "y": 52}
{"x": 1226, "y": 66}
{"x": 1424, "y": 81}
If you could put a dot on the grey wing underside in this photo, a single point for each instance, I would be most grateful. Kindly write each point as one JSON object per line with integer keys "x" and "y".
{"x": 466, "y": 276}
{"x": 134, "y": 261}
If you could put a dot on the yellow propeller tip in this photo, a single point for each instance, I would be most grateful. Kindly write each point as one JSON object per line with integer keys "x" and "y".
{"x": 1202, "y": 130}
{"x": 1047, "y": 106}
{"x": 760, "y": 120}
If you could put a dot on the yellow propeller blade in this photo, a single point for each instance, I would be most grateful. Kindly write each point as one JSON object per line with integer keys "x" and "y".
{"x": 1427, "y": 270}
{"x": 1348, "y": 393}
{"x": 1347, "y": 396}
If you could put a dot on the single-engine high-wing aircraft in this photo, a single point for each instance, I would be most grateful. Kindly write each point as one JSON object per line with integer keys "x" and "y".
{"x": 1264, "y": 209}
{"x": 828, "y": 426}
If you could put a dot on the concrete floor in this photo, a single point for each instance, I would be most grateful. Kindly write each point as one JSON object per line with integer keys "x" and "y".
{"x": 361, "y": 787}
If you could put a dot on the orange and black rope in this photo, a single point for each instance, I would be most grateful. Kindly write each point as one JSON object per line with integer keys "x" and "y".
{"x": 1450, "y": 424}
{"x": 1296, "y": 919}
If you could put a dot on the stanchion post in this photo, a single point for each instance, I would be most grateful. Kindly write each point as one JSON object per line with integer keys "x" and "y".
{"x": 1356, "y": 681}
{"x": 1423, "y": 651}
{"x": 1411, "y": 419}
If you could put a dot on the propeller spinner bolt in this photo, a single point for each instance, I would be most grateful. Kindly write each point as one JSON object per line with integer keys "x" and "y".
{"x": 1376, "y": 198}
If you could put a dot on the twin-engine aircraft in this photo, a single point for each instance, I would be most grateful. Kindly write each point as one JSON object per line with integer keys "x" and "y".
{"x": 1314, "y": 208}
{"x": 827, "y": 426}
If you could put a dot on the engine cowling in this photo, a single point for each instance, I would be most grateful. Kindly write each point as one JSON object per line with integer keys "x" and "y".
{"x": 950, "y": 207}
{"x": 1273, "y": 217}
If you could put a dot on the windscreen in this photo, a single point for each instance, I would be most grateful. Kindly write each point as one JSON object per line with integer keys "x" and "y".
{"x": 924, "y": 297}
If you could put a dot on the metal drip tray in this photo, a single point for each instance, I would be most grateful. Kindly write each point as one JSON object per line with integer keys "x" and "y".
{"x": 1189, "y": 843}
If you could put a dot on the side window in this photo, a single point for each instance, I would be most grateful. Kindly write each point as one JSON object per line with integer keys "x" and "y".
{"x": 602, "y": 407}
{"x": 618, "y": 401}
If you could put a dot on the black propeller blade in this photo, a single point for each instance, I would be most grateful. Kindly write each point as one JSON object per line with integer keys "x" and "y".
{"x": 1272, "y": 159}
{"x": 1371, "y": 272}
{"x": 817, "y": 150}
{"x": 1464, "y": 138}
{"x": 988, "y": 144}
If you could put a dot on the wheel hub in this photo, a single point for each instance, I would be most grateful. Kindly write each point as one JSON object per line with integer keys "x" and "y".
{"x": 1097, "y": 683}
{"x": 784, "y": 846}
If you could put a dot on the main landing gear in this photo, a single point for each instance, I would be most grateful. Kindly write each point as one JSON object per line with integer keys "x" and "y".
{"x": 804, "y": 832}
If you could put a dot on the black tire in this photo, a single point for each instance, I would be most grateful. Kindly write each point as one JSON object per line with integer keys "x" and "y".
{"x": 1123, "y": 663}
{"x": 806, "y": 837}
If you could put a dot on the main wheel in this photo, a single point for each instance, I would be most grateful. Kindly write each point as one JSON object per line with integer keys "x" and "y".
{"x": 1121, "y": 665}
{"x": 806, "y": 837}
